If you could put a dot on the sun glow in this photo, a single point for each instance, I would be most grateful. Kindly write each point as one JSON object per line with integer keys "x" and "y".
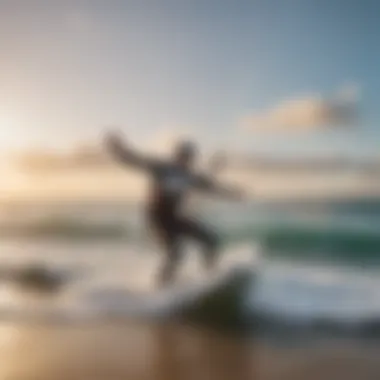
{"x": 9, "y": 132}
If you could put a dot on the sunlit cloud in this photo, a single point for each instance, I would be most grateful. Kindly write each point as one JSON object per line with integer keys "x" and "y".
{"x": 95, "y": 156}
{"x": 85, "y": 171}
{"x": 80, "y": 157}
{"x": 307, "y": 113}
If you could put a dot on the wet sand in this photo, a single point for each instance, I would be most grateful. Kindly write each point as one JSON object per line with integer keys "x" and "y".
{"x": 138, "y": 351}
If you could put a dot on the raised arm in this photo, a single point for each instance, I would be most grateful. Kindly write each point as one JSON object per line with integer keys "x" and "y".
{"x": 126, "y": 155}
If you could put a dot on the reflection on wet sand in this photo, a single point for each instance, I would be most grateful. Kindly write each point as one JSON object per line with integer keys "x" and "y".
{"x": 166, "y": 352}
{"x": 189, "y": 353}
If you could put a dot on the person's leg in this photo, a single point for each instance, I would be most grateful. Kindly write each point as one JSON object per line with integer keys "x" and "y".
{"x": 206, "y": 237}
{"x": 170, "y": 265}
{"x": 169, "y": 241}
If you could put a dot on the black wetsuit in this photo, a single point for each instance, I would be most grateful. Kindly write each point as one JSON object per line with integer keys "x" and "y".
{"x": 169, "y": 189}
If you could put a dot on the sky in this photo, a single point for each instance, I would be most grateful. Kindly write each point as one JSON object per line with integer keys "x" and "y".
{"x": 256, "y": 75}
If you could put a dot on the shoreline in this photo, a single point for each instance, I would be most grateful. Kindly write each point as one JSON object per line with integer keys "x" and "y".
{"x": 142, "y": 351}
{"x": 261, "y": 199}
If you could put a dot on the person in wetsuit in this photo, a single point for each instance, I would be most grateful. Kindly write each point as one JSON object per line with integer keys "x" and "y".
{"x": 170, "y": 186}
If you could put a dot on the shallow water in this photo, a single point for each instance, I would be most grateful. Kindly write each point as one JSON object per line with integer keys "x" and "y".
{"x": 309, "y": 268}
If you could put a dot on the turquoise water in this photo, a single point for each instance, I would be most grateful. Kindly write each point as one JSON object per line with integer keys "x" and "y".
{"x": 328, "y": 232}
{"x": 318, "y": 261}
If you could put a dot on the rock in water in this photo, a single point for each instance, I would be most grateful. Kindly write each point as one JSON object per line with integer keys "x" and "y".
{"x": 38, "y": 277}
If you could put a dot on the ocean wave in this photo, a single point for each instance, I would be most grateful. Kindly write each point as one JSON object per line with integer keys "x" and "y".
{"x": 278, "y": 327}
{"x": 258, "y": 326}
{"x": 355, "y": 245}
{"x": 279, "y": 301}
{"x": 113, "y": 305}
{"x": 295, "y": 241}
{"x": 64, "y": 228}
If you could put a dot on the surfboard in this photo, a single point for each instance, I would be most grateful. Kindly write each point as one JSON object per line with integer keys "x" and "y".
{"x": 215, "y": 297}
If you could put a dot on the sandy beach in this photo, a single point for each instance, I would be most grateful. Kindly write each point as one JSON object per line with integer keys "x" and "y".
{"x": 139, "y": 351}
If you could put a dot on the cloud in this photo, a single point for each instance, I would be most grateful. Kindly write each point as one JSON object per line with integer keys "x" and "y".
{"x": 308, "y": 113}
{"x": 94, "y": 156}
{"x": 80, "y": 157}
